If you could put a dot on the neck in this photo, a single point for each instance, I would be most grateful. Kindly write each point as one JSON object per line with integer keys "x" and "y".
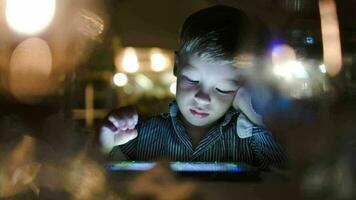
{"x": 195, "y": 133}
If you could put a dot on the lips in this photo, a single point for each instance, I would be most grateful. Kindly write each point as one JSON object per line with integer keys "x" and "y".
{"x": 198, "y": 114}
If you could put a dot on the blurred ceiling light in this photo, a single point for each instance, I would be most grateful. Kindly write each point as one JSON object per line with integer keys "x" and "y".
{"x": 120, "y": 79}
{"x": 144, "y": 81}
{"x": 173, "y": 88}
{"x": 30, "y": 69}
{"x": 322, "y": 68}
{"x": 29, "y": 16}
{"x": 130, "y": 61}
{"x": 291, "y": 69}
{"x": 330, "y": 36}
{"x": 158, "y": 61}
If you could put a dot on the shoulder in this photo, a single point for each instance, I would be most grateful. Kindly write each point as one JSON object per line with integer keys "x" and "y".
{"x": 161, "y": 120}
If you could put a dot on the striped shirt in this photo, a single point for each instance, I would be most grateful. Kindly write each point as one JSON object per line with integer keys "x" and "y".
{"x": 235, "y": 139}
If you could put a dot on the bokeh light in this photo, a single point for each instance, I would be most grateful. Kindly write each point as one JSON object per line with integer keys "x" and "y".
{"x": 173, "y": 88}
{"x": 120, "y": 79}
{"x": 30, "y": 69}
{"x": 167, "y": 78}
{"x": 130, "y": 61}
{"x": 291, "y": 69}
{"x": 29, "y": 16}
{"x": 283, "y": 53}
{"x": 158, "y": 61}
{"x": 330, "y": 36}
{"x": 322, "y": 68}
{"x": 143, "y": 81}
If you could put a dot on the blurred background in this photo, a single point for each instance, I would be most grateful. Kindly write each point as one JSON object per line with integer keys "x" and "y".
{"x": 64, "y": 64}
{"x": 98, "y": 55}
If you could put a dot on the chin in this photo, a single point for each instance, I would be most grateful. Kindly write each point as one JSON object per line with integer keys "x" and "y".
{"x": 199, "y": 123}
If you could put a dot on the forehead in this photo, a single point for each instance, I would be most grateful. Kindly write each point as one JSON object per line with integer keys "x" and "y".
{"x": 209, "y": 67}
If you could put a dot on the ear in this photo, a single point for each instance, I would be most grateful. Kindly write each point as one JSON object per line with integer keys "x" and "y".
{"x": 175, "y": 66}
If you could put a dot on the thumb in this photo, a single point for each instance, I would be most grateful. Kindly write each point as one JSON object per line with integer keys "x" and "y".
{"x": 126, "y": 136}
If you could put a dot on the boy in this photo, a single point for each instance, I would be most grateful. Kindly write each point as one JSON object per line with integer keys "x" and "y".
{"x": 200, "y": 125}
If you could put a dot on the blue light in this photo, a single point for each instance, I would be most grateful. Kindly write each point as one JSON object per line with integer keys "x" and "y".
{"x": 309, "y": 40}
{"x": 181, "y": 166}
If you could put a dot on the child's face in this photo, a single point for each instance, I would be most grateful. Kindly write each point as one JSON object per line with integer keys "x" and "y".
{"x": 205, "y": 89}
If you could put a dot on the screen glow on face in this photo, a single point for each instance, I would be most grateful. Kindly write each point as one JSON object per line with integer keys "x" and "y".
{"x": 205, "y": 89}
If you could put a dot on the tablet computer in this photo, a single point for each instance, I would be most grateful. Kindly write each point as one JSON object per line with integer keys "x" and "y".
{"x": 201, "y": 170}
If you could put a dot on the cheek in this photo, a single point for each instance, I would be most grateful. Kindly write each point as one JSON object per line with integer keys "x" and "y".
{"x": 185, "y": 92}
{"x": 224, "y": 100}
{"x": 183, "y": 87}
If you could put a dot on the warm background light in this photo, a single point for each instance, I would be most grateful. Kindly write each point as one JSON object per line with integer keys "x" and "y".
{"x": 120, "y": 79}
{"x": 158, "y": 61}
{"x": 30, "y": 69}
{"x": 331, "y": 37}
{"x": 144, "y": 81}
{"x": 29, "y": 16}
{"x": 130, "y": 61}
{"x": 173, "y": 88}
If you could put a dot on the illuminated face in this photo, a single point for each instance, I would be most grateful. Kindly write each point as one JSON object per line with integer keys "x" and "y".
{"x": 205, "y": 89}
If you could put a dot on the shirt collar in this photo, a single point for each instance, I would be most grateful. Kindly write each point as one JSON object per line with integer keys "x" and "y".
{"x": 244, "y": 127}
{"x": 173, "y": 109}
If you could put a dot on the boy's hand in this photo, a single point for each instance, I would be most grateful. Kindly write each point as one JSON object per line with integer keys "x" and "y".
{"x": 241, "y": 99}
{"x": 242, "y": 102}
{"x": 118, "y": 128}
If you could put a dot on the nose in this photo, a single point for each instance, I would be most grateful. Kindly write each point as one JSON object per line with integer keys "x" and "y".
{"x": 202, "y": 98}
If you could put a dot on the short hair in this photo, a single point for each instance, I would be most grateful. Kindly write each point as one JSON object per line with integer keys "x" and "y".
{"x": 220, "y": 33}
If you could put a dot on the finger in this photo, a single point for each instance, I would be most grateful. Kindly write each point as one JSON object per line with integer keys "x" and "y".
{"x": 108, "y": 124}
{"x": 114, "y": 121}
{"x": 123, "y": 124}
{"x": 125, "y": 136}
{"x": 135, "y": 118}
{"x": 130, "y": 134}
{"x": 131, "y": 123}
{"x": 132, "y": 120}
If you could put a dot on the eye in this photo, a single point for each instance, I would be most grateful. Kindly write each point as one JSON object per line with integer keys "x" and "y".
{"x": 225, "y": 91}
{"x": 190, "y": 80}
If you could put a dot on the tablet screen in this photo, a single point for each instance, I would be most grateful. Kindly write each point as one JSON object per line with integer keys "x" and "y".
{"x": 183, "y": 166}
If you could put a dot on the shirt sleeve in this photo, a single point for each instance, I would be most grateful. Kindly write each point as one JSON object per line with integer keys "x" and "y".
{"x": 124, "y": 152}
{"x": 268, "y": 152}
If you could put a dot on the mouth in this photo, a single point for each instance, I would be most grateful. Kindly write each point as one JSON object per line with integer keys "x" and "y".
{"x": 198, "y": 114}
